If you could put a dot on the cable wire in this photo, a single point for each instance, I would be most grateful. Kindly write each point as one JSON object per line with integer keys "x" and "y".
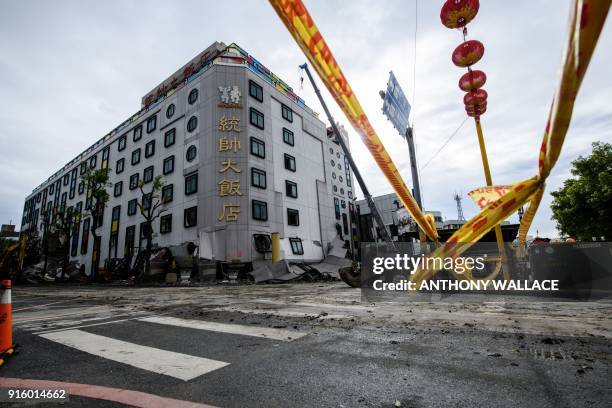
{"x": 445, "y": 143}
{"x": 414, "y": 62}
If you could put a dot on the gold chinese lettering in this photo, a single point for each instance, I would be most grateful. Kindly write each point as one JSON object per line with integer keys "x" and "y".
{"x": 226, "y": 145}
{"x": 229, "y": 188}
{"x": 229, "y": 164}
{"x": 230, "y": 213}
{"x": 229, "y": 124}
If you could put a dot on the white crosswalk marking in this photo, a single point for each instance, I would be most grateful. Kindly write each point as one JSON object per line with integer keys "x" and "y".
{"x": 266, "y": 332}
{"x": 177, "y": 365}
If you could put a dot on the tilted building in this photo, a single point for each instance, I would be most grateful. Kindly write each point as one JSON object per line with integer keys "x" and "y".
{"x": 241, "y": 156}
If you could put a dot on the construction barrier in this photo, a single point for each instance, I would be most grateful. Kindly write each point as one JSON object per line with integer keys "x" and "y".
{"x": 300, "y": 24}
{"x": 6, "y": 322}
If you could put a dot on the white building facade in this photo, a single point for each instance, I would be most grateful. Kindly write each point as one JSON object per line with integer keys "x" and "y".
{"x": 241, "y": 157}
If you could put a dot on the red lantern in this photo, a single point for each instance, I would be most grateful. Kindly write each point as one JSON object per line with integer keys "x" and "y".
{"x": 476, "y": 97}
{"x": 476, "y": 110}
{"x": 457, "y": 13}
{"x": 472, "y": 80}
{"x": 468, "y": 53}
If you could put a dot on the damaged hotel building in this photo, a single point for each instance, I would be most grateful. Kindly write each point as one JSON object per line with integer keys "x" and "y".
{"x": 241, "y": 156}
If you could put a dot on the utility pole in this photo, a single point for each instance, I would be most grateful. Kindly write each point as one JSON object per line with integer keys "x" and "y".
{"x": 386, "y": 236}
{"x": 413, "y": 167}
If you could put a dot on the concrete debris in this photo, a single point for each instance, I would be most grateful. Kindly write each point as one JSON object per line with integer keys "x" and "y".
{"x": 283, "y": 271}
{"x": 337, "y": 248}
{"x": 332, "y": 265}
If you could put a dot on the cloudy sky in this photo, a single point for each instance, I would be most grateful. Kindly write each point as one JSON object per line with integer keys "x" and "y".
{"x": 73, "y": 70}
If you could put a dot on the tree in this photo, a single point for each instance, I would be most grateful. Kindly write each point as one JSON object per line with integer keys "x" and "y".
{"x": 66, "y": 222}
{"x": 96, "y": 182}
{"x": 151, "y": 208}
{"x": 582, "y": 208}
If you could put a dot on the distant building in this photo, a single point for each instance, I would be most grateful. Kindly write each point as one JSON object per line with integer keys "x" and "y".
{"x": 8, "y": 232}
{"x": 394, "y": 216}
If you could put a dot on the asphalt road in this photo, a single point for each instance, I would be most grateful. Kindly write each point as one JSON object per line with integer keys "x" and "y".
{"x": 312, "y": 346}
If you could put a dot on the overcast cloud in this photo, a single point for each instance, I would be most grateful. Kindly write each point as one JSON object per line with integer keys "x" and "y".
{"x": 73, "y": 70}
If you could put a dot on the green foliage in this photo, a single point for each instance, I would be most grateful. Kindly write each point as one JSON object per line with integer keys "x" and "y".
{"x": 582, "y": 208}
{"x": 96, "y": 181}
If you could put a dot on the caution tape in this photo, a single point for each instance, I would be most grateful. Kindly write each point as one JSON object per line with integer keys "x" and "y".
{"x": 586, "y": 22}
{"x": 300, "y": 24}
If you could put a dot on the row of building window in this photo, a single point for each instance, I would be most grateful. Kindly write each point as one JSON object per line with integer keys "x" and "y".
{"x": 257, "y": 146}
{"x": 259, "y": 211}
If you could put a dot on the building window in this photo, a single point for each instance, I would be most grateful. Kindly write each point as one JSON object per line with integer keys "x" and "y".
{"x": 147, "y": 175}
{"x": 136, "y": 157}
{"x": 146, "y": 202}
{"x": 260, "y": 210}
{"x": 288, "y": 137}
{"x": 190, "y": 217}
{"x": 85, "y": 236}
{"x": 122, "y": 143}
{"x": 296, "y": 246}
{"x": 291, "y": 189}
{"x": 170, "y": 111}
{"x": 333, "y": 175}
{"x": 51, "y": 189}
{"x": 169, "y": 137}
{"x": 256, "y": 91}
{"x": 293, "y": 217}
{"x": 191, "y": 184}
{"x": 192, "y": 151}
{"x": 132, "y": 206}
{"x": 165, "y": 224}
{"x": 350, "y": 194}
{"x": 192, "y": 124}
{"x": 256, "y": 118}
{"x": 340, "y": 179}
{"x": 134, "y": 179}
{"x": 92, "y": 162}
{"x": 287, "y": 113}
{"x": 118, "y": 188}
{"x": 119, "y": 166}
{"x": 337, "y": 208}
{"x": 105, "y": 156}
{"x": 137, "y": 133}
{"x": 343, "y": 204}
{"x": 168, "y": 165}
{"x": 289, "y": 162}
{"x": 150, "y": 149}
{"x": 151, "y": 124}
{"x": 81, "y": 187}
{"x": 341, "y": 191}
{"x": 258, "y": 148}
{"x": 66, "y": 179}
{"x": 193, "y": 96}
{"x": 335, "y": 188}
{"x": 130, "y": 234}
{"x": 258, "y": 178}
{"x": 167, "y": 193}
{"x": 83, "y": 169}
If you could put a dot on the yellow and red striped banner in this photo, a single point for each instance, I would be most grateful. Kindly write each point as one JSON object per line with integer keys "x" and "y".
{"x": 300, "y": 24}
{"x": 587, "y": 18}
{"x": 586, "y": 22}
{"x": 484, "y": 196}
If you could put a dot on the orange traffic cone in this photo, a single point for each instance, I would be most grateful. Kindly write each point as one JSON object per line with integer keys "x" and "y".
{"x": 6, "y": 322}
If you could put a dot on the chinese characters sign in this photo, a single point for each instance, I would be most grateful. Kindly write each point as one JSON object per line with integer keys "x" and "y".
{"x": 229, "y": 144}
